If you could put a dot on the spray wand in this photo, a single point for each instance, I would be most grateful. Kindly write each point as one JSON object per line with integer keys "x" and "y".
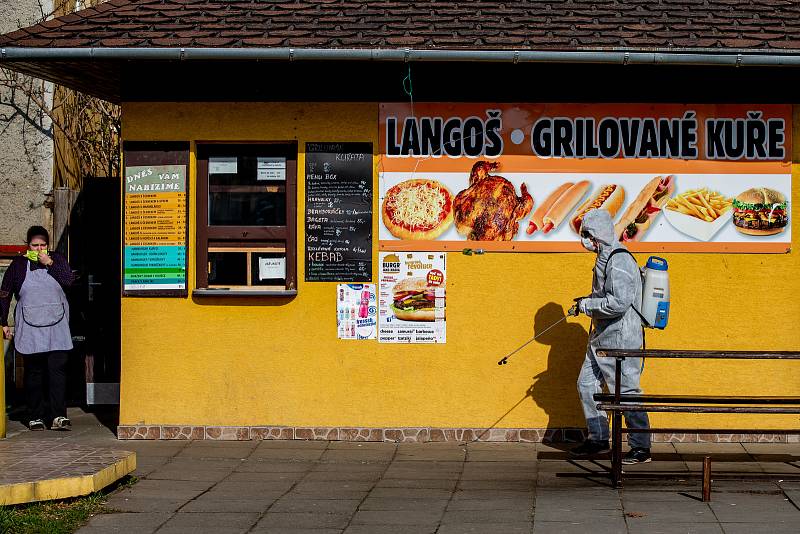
{"x": 504, "y": 361}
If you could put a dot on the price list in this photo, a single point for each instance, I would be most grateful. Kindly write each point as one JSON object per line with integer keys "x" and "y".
{"x": 155, "y": 228}
{"x": 338, "y": 212}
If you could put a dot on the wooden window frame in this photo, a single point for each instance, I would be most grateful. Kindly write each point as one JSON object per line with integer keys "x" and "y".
{"x": 246, "y": 238}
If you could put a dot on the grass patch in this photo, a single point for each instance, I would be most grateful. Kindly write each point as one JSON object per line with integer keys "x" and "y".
{"x": 57, "y": 517}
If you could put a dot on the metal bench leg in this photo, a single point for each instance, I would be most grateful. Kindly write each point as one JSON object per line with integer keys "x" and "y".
{"x": 616, "y": 427}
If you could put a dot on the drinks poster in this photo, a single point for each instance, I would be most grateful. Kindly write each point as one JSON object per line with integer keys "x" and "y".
{"x": 356, "y": 311}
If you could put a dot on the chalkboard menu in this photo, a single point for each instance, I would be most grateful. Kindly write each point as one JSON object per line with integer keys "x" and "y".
{"x": 338, "y": 212}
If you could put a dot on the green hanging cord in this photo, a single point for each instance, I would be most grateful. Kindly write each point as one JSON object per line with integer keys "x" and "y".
{"x": 409, "y": 90}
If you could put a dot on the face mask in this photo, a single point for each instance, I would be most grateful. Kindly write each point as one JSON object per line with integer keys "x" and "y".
{"x": 588, "y": 244}
{"x": 33, "y": 255}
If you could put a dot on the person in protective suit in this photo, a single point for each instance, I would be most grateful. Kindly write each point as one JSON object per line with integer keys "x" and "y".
{"x": 616, "y": 286}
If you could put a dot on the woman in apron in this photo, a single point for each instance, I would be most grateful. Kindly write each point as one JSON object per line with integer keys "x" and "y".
{"x": 41, "y": 323}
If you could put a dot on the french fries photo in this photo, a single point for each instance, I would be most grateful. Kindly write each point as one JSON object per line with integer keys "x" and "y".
{"x": 700, "y": 203}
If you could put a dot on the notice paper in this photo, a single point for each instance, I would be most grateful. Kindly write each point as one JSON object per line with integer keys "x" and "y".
{"x": 269, "y": 268}
{"x": 222, "y": 165}
{"x": 271, "y": 169}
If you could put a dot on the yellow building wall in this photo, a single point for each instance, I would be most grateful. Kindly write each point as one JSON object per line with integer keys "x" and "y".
{"x": 268, "y": 361}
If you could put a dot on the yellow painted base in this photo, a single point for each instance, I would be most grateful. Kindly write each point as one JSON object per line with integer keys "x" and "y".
{"x": 62, "y": 488}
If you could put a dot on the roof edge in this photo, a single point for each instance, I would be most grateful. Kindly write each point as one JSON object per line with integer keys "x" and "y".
{"x": 734, "y": 58}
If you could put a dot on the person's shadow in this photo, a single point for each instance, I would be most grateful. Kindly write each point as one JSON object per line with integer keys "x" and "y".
{"x": 554, "y": 389}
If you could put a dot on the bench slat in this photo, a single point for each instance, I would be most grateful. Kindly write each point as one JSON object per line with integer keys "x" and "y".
{"x": 696, "y": 408}
{"x": 710, "y": 399}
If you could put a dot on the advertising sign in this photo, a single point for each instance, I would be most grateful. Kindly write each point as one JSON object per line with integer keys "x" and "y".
{"x": 356, "y": 311}
{"x": 520, "y": 177}
{"x": 412, "y": 299}
{"x": 155, "y": 228}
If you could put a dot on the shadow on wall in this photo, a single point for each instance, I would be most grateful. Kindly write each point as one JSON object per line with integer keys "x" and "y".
{"x": 554, "y": 389}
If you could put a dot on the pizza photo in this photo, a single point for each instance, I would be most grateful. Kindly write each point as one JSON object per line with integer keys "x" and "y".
{"x": 417, "y": 209}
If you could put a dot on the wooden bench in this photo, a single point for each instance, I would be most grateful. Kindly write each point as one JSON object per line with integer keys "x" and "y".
{"x": 616, "y": 403}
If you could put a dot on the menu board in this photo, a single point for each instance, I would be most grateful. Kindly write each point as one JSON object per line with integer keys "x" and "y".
{"x": 338, "y": 212}
{"x": 155, "y": 229}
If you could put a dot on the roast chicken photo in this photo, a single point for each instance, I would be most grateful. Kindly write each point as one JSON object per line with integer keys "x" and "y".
{"x": 489, "y": 209}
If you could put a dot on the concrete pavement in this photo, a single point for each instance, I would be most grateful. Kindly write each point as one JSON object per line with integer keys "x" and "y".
{"x": 361, "y": 487}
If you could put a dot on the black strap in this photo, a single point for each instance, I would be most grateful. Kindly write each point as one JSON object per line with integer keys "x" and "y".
{"x": 605, "y": 275}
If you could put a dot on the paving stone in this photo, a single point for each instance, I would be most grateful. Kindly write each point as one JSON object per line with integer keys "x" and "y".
{"x": 204, "y": 530}
{"x": 304, "y": 520}
{"x": 370, "y": 467}
{"x": 596, "y": 526}
{"x": 635, "y": 527}
{"x": 157, "y": 493}
{"x": 290, "y": 530}
{"x": 257, "y": 476}
{"x": 211, "y": 475}
{"x": 513, "y": 485}
{"x": 383, "y": 504}
{"x": 252, "y": 487}
{"x": 191, "y": 520}
{"x": 234, "y": 449}
{"x": 128, "y": 522}
{"x": 397, "y": 517}
{"x": 491, "y": 494}
{"x": 168, "y": 486}
{"x": 254, "y": 465}
{"x": 767, "y": 527}
{"x": 525, "y": 503}
{"x": 320, "y": 506}
{"x": 211, "y": 503}
{"x": 332, "y": 486}
{"x": 348, "y": 455}
{"x": 676, "y": 514}
{"x": 390, "y": 529}
{"x": 482, "y": 528}
{"x": 362, "y": 445}
{"x": 328, "y": 476}
{"x": 410, "y": 483}
{"x": 293, "y": 444}
{"x": 220, "y": 464}
{"x": 410, "y": 493}
{"x": 287, "y": 454}
{"x": 145, "y": 504}
{"x": 738, "y": 508}
{"x": 492, "y": 517}
{"x": 792, "y": 449}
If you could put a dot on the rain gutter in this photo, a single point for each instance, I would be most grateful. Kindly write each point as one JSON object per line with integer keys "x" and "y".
{"x": 710, "y": 57}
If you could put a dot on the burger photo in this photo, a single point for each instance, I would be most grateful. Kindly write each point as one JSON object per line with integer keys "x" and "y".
{"x": 760, "y": 211}
{"x": 413, "y": 300}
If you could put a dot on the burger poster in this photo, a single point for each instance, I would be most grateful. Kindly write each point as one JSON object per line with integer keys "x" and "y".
{"x": 521, "y": 177}
{"x": 411, "y": 298}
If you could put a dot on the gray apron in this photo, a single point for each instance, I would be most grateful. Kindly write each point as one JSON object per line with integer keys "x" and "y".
{"x": 42, "y": 315}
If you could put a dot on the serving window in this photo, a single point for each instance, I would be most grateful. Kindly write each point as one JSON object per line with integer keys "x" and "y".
{"x": 247, "y": 217}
